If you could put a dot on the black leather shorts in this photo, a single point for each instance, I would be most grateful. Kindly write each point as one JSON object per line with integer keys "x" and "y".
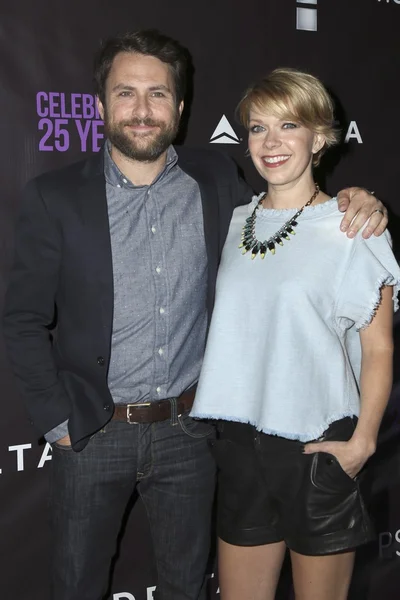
{"x": 269, "y": 491}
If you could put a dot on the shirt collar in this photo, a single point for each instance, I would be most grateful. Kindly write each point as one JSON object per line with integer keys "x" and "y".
{"x": 117, "y": 179}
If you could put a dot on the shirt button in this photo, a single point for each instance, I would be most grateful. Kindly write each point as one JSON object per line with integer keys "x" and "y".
{"x": 162, "y": 311}
{"x": 160, "y": 351}
{"x": 100, "y": 361}
{"x": 153, "y": 229}
{"x": 158, "y": 390}
{"x": 107, "y": 407}
{"x": 125, "y": 180}
{"x": 158, "y": 269}
{"x": 118, "y": 185}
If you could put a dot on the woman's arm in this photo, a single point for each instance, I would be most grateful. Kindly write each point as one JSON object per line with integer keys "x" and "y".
{"x": 376, "y": 371}
{"x": 376, "y": 382}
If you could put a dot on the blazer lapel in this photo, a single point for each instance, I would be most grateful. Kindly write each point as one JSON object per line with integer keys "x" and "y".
{"x": 94, "y": 212}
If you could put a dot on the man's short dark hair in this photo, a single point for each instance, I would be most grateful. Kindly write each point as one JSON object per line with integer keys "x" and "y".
{"x": 148, "y": 42}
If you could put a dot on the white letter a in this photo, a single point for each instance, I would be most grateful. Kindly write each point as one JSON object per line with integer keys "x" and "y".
{"x": 353, "y": 133}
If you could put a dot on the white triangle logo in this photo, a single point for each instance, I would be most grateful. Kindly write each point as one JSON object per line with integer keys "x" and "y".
{"x": 224, "y": 133}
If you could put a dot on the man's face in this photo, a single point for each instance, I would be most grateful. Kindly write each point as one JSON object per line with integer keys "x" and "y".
{"x": 140, "y": 114}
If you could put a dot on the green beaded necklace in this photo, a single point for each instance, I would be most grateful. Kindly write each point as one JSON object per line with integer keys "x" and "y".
{"x": 249, "y": 240}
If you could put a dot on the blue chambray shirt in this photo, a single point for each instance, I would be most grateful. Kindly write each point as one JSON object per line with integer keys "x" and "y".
{"x": 160, "y": 281}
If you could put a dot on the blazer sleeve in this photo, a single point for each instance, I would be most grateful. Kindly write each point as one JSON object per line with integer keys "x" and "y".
{"x": 29, "y": 312}
{"x": 245, "y": 193}
{"x": 242, "y": 193}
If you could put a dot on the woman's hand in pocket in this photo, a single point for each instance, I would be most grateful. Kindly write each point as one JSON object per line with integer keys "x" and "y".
{"x": 351, "y": 455}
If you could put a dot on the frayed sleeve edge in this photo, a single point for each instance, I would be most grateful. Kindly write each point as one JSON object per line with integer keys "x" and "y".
{"x": 370, "y": 311}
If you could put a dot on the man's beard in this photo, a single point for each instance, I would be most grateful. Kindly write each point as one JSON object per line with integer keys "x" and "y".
{"x": 142, "y": 147}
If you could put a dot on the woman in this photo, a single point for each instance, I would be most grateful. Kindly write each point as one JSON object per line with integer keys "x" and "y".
{"x": 297, "y": 368}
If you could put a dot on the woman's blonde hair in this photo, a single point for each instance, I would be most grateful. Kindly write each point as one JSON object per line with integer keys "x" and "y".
{"x": 296, "y": 96}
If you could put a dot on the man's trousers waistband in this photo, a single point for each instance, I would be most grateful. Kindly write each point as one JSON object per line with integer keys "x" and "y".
{"x": 150, "y": 412}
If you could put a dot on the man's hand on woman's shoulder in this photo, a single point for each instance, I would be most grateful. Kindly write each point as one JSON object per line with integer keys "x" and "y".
{"x": 361, "y": 206}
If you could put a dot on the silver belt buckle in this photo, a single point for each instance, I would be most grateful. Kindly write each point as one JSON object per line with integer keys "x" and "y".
{"x": 128, "y": 416}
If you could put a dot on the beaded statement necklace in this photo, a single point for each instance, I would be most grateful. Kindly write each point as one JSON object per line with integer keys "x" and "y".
{"x": 249, "y": 240}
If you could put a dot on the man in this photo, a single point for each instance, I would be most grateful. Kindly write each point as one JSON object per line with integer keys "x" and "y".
{"x": 126, "y": 246}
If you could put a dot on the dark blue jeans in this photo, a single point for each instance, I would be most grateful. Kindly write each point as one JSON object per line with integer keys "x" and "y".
{"x": 170, "y": 465}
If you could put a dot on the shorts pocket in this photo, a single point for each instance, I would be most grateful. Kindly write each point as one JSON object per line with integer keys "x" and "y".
{"x": 328, "y": 475}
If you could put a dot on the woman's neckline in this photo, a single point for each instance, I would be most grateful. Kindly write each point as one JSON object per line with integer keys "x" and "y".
{"x": 312, "y": 211}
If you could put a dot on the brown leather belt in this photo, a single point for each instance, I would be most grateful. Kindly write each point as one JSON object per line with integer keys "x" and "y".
{"x": 148, "y": 412}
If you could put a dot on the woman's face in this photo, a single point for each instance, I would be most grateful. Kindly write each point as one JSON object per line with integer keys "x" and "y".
{"x": 281, "y": 150}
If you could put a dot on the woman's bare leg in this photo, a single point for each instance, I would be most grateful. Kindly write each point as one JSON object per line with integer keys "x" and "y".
{"x": 249, "y": 572}
{"x": 322, "y": 577}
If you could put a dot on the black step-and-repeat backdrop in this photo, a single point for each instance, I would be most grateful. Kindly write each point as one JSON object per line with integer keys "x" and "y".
{"x": 49, "y": 119}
